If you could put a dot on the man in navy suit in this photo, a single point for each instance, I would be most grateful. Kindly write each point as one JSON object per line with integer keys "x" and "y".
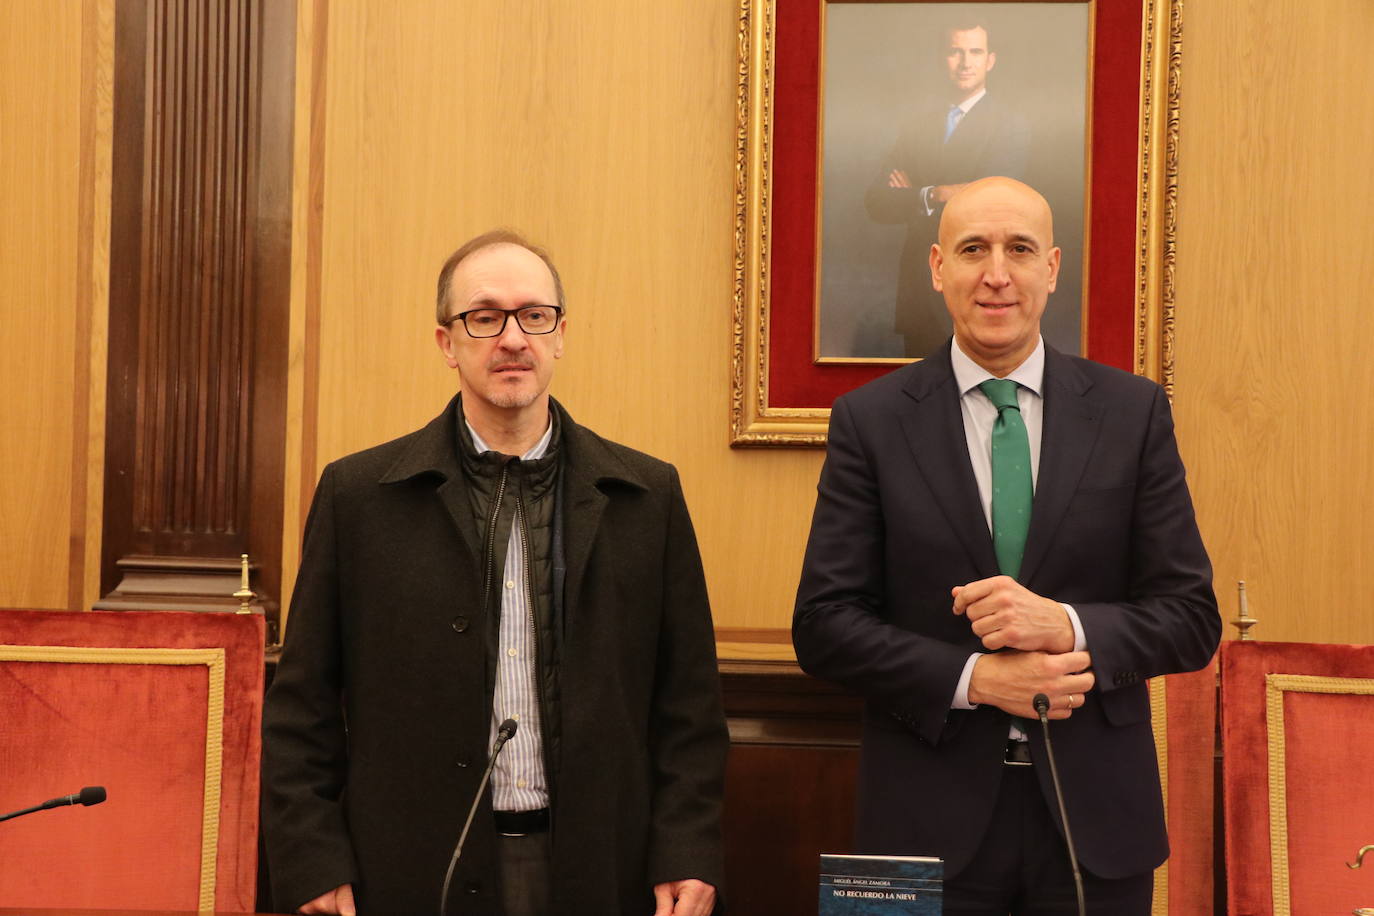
{"x": 969, "y": 134}
{"x": 906, "y": 596}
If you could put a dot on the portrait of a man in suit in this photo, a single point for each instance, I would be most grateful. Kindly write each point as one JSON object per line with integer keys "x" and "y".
{"x": 919, "y": 100}
{"x": 972, "y": 132}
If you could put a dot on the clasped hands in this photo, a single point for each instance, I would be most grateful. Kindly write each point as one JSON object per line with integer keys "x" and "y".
{"x": 1006, "y": 615}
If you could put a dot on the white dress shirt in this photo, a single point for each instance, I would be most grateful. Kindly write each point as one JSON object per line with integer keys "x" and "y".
{"x": 519, "y": 782}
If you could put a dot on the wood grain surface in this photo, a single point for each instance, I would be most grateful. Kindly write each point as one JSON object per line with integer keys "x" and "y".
{"x": 603, "y": 131}
{"x": 43, "y": 350}
{"x": 606, "y": 132}
{"x": 1275, "y": 257}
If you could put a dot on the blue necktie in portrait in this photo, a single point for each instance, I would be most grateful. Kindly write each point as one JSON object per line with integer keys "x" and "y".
{"x": 952, "y": 120}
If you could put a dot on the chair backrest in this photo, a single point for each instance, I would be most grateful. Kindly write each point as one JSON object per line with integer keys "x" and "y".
{"x": 1185, "y": 741}
{"x": 1297, "y": 747}
{"x": 163, "y": 710}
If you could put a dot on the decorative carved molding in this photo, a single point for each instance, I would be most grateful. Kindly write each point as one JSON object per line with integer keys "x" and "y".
{"x": 199, "y": 276}
{"x": 1161, "y": 64}
{"x": 753, "y": 422}
{"x": 737, "y": 346}
{"x": 191, "y": 428}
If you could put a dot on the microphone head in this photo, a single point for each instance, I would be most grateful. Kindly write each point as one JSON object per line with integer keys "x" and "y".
{"x": 1041, "y": 704}
{"x": 507, "y": 729}
{"x": 91, "y": 795}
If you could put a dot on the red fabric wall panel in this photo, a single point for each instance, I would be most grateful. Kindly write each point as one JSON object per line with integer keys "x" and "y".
{"x": 1329, "y": 746}
{"x": 1190, "y": 728}
{"x": 1321, "y": 775}
{"x": 137, "y": 727}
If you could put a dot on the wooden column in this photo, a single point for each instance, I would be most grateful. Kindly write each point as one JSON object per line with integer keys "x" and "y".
{"x": 199, "y": 265}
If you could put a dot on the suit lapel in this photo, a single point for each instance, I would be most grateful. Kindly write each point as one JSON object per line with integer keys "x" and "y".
{"x": 453, "y": 494}
{"x": 584, "y": 503}
{"x": 588, "y": 466}
{"x": 1071, "y": 424}
{"x": 934, "y": 430}
{"x": 434, "y": 452}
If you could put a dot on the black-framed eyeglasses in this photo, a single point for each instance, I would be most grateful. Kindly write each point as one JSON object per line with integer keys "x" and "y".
{"x": 532, "y": 319}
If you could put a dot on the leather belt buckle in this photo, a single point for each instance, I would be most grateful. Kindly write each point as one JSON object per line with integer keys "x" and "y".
{"x": 1018, "y": 754}
{"x": 521, "y": 823}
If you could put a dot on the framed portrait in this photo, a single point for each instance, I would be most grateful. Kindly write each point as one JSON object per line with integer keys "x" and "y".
{"x": 855, "y": 121}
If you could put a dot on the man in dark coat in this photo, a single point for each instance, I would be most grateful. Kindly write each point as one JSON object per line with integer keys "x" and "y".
{"x": 502, "y": 562}
{"x": 938, "y": 588}
{"x": 971, "y": 134}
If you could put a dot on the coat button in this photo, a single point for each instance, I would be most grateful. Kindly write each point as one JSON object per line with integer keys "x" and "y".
{"x": 461, "y": 763}
{"x": 460, "y": 624}
{"x": 473, "y": 887}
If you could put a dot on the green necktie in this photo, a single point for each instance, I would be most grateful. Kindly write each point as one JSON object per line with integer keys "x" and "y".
{"x": 1012, "y": 488}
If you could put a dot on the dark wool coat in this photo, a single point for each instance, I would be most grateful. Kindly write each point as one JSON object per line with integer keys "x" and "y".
{"x": 376, "y": 726}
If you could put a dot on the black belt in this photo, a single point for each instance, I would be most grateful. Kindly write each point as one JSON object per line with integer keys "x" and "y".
{"x": 1018, "y": 754}
{"x": 519, "y": 823}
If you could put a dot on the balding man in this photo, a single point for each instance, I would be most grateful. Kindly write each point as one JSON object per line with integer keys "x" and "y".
{"x": 999, "y": 521}
{"x": 503, "y": 562}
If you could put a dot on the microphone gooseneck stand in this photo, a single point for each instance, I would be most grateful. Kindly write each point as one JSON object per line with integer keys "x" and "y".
{"x": 91, "y": 795}
{"x": 504, "y": 732}
{"x": 1042, "y": 708}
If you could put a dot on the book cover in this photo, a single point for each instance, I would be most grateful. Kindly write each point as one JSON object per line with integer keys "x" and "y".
{"x": 881, "y": 885}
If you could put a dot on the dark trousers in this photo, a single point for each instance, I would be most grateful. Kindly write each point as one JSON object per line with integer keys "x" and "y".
{"x": 525, "y": 874}
{"x": 1022, "y": 867}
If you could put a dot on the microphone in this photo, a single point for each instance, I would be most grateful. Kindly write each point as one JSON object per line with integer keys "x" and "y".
{"x": 1042, "y": 709}
{"x": 504, "y": 732}
{"x": 91, "y": 795}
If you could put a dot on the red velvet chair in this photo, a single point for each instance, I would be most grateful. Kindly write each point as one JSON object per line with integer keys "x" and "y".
{"x": 1184, "y": 719}
{"x": 1298, "y": 749}
{"x": 164, "y": 711}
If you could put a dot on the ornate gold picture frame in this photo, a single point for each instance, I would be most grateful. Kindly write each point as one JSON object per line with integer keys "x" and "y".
{"x": 779, "y": 395}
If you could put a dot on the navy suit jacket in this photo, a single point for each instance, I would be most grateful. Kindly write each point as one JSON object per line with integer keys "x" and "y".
{"x": 898, "y": 522}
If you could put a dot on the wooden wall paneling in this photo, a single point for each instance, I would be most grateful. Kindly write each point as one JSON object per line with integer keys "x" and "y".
{"x": 784, "y": 807}
{"x": 608, "y": 136}
{"x": 307, "y": 206}
{"x": 790, "y": 783}
{"x": 1270, "y": 196}
{"x": 606, "y": 132}
{"x": 126, "y": 245}
{"x": 1272, "y": 335}
{"x": 40, "y": 301}
{"x": 93, "y": 300}
{"x": 196, "y": 367}
{"x": 270, "y": 288}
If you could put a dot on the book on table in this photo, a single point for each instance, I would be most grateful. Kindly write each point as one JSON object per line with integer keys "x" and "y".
{"x": 881, "y": 885}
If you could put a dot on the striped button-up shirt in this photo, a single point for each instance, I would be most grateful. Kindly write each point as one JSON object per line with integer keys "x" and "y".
{"x": 518, "y": 783}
